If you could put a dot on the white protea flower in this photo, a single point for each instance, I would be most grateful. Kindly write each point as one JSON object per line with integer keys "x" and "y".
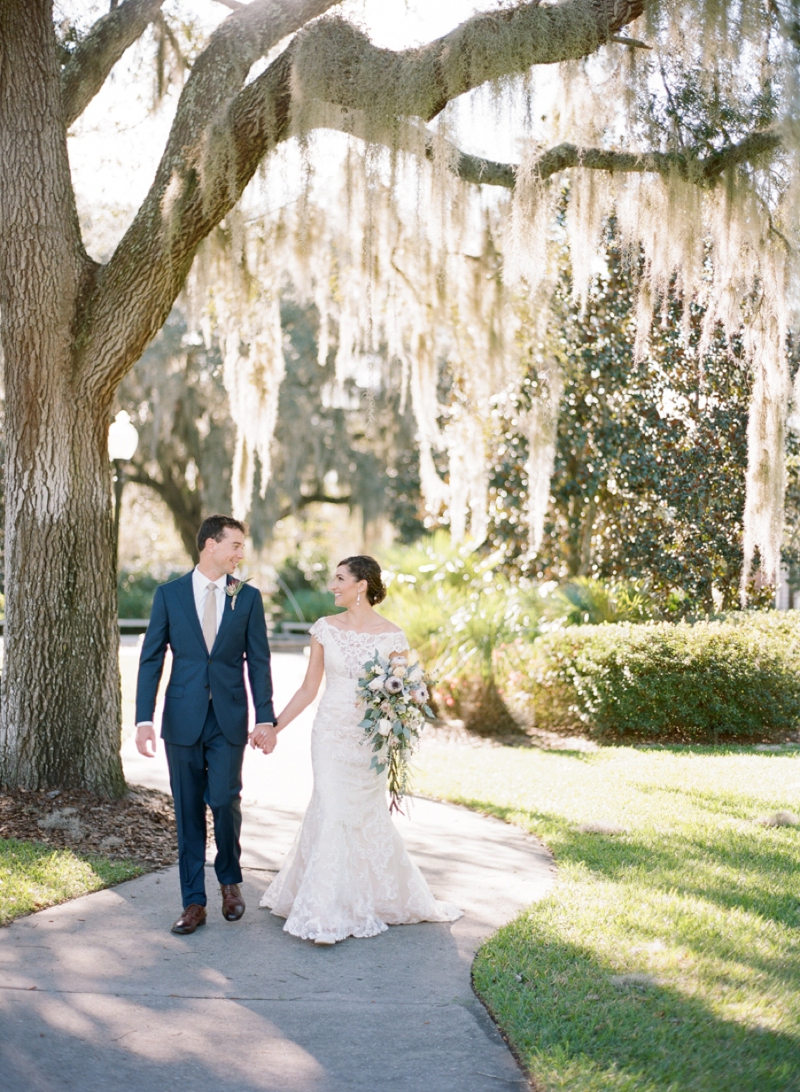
{"x": 393, "y": 685}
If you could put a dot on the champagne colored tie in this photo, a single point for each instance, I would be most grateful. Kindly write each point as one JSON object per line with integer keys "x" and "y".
{"x": 210, "y": 616}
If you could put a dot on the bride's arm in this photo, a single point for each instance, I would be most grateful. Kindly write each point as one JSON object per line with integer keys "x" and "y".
{"x": 309, "y": 689}
{"x": 265, "y": 736}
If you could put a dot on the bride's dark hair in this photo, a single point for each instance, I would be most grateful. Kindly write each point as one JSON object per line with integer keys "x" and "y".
{"x": 367, "y": 568}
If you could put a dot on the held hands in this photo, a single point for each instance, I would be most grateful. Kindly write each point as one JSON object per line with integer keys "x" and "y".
{"x": 265, "y": 737}
{"x": 146, "y": 740}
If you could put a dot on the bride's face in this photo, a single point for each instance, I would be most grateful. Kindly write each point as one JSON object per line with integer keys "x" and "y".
{"x": 345, "y": 588}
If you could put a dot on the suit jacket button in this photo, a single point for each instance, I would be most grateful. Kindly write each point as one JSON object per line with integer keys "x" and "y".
{"x": 209, "y": 660}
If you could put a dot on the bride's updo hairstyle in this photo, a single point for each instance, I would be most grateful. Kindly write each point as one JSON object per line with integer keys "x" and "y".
{"x": 367, "y": 568}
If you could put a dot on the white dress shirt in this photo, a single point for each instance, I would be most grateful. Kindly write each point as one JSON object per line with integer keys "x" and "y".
{"x": 200, "y": 588}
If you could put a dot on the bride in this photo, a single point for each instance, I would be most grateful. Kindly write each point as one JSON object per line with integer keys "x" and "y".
{"x": 348, "y": 873}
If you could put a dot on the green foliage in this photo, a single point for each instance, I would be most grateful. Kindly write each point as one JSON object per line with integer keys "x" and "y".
{"x": 649, "y": 476}
{"x": 135, "y": 591}
{"x": 734, "y": 678}
{"x": 304, "y": 605}
{"x": 586, "y": 601}
{"x": 693, "y": 895}
{"x": 302, "y": 595}
{"x": 457, "y": 608}
{"x": 454, "y": 604}
{"x": 33, "y": 876}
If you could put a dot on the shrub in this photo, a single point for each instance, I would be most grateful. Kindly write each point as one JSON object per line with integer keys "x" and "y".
{"x": 302, "y": 594}
{"x": 587, "y": 601}
{"x": 456, "y": 608}
{"x": 725, "y": 679}
{"x": 305, "y": 605}
{"x": 135, "y": 591}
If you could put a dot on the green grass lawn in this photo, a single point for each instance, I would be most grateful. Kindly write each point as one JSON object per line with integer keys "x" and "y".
{"x": 696, "y": 897}
{"x": 34, "y": 876}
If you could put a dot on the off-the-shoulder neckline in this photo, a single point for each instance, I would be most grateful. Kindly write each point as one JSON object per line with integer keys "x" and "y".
{"x": 362, "y": 632}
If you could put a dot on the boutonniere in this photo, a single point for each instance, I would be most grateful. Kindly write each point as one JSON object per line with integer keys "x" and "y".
{"x": 233, "y": 587}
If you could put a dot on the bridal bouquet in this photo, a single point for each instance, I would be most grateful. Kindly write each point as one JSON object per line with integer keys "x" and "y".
{"x": 395, "y": 695}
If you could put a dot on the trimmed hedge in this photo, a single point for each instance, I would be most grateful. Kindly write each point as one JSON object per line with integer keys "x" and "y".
{"x": 719, "y": 680}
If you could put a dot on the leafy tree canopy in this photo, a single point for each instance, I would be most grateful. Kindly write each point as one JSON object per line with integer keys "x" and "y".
{"x": 650, "y": 454}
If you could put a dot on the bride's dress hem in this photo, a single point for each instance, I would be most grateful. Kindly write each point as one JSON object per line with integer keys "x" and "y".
{"x": 370, "y": 927}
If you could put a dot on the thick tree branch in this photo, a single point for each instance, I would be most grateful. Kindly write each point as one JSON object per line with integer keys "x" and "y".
{"x": 702, "y": 170}
{"x": 222, "y": 130}
{"x": 337, "y": 63}
{"x": 352, "y": 72}
{"x": 87, "y": 69}
{"x": 305, "y": 499}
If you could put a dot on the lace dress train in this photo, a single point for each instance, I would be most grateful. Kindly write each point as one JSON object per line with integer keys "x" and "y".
{"x": 348, "y": 872}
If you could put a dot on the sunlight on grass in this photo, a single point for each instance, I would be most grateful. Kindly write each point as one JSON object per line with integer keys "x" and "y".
{"x": 34, "y": 876}
{"x": 696, "y": 900}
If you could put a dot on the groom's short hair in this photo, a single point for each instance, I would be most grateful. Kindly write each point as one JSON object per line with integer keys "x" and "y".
{"x": 214, "y": 527}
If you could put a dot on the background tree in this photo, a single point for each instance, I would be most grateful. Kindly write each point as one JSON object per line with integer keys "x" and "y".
{"x": 338, "y": 442}
{"x": 651, "y": 452}
{"x": 333, "y": 443}
{"x": 176, "y": 397}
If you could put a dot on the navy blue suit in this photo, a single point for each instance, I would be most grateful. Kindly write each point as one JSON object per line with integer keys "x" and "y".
{"x": 205, "y": 725}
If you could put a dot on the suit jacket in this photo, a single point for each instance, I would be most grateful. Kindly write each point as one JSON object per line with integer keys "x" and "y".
{"x": 197, "y": 673}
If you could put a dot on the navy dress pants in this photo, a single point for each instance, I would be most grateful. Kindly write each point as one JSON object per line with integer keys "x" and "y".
{"x": 207, "y": 772}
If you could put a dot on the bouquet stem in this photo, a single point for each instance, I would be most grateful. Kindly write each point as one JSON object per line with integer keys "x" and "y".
{"x": 398, "y": 780}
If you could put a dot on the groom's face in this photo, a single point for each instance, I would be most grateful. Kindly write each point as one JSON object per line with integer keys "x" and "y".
{"x": 226, "y": 554}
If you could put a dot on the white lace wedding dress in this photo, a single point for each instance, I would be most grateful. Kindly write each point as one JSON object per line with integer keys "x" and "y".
{"x": 348, "y": 873}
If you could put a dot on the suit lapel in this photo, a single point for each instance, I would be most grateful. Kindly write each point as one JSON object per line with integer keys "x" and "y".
{"x": 185, "y": 592}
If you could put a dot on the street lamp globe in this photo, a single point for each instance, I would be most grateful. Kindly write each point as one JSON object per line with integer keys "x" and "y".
{"x": 123, "y": 439}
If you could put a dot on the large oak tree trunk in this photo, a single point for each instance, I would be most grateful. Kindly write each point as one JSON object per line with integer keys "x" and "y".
{"x": 60, "y": 687}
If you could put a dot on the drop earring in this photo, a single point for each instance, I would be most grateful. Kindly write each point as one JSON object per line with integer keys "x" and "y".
{"x": 358, "y": 600}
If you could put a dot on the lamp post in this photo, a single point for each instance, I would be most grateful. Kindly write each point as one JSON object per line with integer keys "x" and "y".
{"x": 123, "y": 439}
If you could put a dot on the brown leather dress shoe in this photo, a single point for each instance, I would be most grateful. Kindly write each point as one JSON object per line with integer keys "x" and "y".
{"x": 193, "y": 916}
{"x": 232, "y": 901}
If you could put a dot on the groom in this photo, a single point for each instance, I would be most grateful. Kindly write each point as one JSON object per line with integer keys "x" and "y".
{"x": 211, "y": 633}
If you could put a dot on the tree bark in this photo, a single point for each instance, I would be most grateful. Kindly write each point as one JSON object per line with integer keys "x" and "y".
{"x": 60, "y": 719}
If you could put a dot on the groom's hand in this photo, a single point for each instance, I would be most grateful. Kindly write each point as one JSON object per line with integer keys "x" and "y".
{"x": 265, "y": 737}
{"x": 146, "y": 740}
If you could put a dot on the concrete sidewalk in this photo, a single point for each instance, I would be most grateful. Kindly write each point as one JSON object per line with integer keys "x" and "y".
{"x": 98, "y": 995}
